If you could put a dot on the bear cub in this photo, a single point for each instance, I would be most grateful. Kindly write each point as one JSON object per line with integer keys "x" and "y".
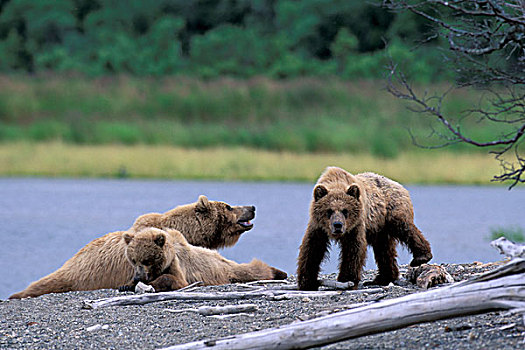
{"x": 166, "y": 261}
{"x": 357, "y": 211}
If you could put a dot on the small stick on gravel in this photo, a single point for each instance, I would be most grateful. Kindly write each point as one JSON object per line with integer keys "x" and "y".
{"x": 267, "y": 282}
{"x": 335, "y": 284}
{"x": 219, "y": 310}
{"x": 322, "y": 282}
{"x": 191, "y": 286}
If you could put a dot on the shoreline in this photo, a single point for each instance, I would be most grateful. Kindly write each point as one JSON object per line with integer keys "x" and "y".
{"x": 58, "y": 159}
{"x": 58, "y": 320}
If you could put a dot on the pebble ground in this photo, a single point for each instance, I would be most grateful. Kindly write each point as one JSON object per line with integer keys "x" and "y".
{"x": 58, "y": 321}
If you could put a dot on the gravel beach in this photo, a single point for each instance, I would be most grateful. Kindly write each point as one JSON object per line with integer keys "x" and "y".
{"x": 58, "y": 321}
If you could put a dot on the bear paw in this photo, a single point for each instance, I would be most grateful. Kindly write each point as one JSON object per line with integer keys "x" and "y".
{"x": 308, "y": 285}
{"x": 126, "y": 288}
{"x": 379, "y": 281}
{"x": 420, "y": 260}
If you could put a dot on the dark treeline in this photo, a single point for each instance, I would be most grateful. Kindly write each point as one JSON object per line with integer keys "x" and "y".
{"x": 208, "y": 38}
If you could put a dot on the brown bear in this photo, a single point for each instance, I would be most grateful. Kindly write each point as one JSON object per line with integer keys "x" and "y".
{"x": 165, "y": 260}
{"x": 101, "y": 264}
{"x": 356, "y": 211}
{"x": 208, "y": 224}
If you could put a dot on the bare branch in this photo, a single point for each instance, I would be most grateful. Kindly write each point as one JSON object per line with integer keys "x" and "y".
{"x": 486, "y": 47}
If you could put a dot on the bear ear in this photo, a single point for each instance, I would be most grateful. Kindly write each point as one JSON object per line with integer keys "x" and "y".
{"x": 160, "y": 240}
{"x": 353, "y": 191}
{"x": 127, "y": 237}
{"x": 202, "y": 204}
{"x": 319, "y": 192}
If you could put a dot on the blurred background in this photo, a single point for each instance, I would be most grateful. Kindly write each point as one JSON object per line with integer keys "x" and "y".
{"x": 270, "y": 75}
{"x": 156, "y": 102}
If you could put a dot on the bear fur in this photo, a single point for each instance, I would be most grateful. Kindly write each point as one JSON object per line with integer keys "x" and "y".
{"x": 102, "y": 263}
{"x": 166, "y": 261}
{"x": 357, "y": 211}
{"x": 209, "y": 224}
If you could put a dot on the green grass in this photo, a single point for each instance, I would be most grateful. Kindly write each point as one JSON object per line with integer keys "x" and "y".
{"x": 234, "y": 163}
{"x": 513, "y": 233}
{"x": 301, "y": 115}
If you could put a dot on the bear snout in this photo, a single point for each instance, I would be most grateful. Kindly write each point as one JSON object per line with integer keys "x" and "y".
{"x": 337, "y": 223}
{"x": 337, "y": 227}
{"x": 247, "y": 214}
{"x": 141, "y": 275}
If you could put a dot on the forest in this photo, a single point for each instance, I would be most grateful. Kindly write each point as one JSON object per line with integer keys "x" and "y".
{"x": 305, "y": 77}
{"x": 211, "y": 38}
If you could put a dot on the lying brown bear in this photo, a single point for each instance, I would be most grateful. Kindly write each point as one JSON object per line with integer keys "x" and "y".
{"x": 101, "y": 263}
{"x": 165, "y": 260}
{"x": 208, "y": 224}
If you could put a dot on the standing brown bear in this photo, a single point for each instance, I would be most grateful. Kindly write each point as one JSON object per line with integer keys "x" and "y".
{"x": 356, "y": 211}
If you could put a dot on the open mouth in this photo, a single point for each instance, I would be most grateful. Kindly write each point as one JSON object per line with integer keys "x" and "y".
{"x": 247, "y": 224}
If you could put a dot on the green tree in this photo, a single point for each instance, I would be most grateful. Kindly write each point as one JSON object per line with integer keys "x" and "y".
{"x": 229, "y": 49}
{"x": 31, "y": 28}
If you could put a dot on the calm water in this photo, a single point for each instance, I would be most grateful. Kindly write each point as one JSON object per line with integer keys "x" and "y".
{"x": 46, "y": 221}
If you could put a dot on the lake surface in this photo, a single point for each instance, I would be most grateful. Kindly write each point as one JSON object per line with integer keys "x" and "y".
{"x": 46, "y": 221}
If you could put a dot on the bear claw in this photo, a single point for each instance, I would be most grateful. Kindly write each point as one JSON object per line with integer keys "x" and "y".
{"x": 126, "y": 288}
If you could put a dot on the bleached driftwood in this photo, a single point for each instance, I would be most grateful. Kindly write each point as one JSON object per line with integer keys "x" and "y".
{"x": 264, "y": 282}
{"x": 428, "y": 275}
{"x": 322, "y": 282}
{"x": 335, "y": 284}
{"x": 509, "y": 248}
{"x": 140, "y": 299}
{"x": 293, "y": 286}
{"x": 219, "y": 310}
{"x": 500, "y": 289}
{"x": 144, "y": 288}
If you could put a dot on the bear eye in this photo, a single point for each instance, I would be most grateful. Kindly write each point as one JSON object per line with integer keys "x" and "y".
{"x": 329, "y": 213}
{"x": 228, "y": 208}
{"x": 345, "y": 213}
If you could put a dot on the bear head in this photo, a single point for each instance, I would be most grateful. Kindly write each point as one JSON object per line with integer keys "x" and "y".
{"x": 337, "y": 210}
{"x": 148, "y": 253}
{"x": 228, "y": 222}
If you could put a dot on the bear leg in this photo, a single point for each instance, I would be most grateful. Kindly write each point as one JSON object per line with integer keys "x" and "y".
{"x": 167, "y": 282}
{"x": 385, "y": 254}
{"x": 352, "y": 258}
{"x": 411, "y": 236}
{"x": 311, "y": 254}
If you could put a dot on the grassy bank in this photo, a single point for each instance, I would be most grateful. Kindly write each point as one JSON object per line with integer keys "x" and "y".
{"x": 144, "y": 161}
{"x": 300, "y": 115}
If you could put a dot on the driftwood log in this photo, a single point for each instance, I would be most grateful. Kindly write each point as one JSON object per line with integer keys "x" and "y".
{"x": 428, "y": 275}
{"x": 500, "y": 289}
{"x": 141, "y": 299}
{"x": 509, "y": 248}
{"x": 274, "y": 294}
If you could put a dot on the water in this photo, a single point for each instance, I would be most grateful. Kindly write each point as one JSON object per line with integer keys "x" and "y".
{"x": 46, "y": 221}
